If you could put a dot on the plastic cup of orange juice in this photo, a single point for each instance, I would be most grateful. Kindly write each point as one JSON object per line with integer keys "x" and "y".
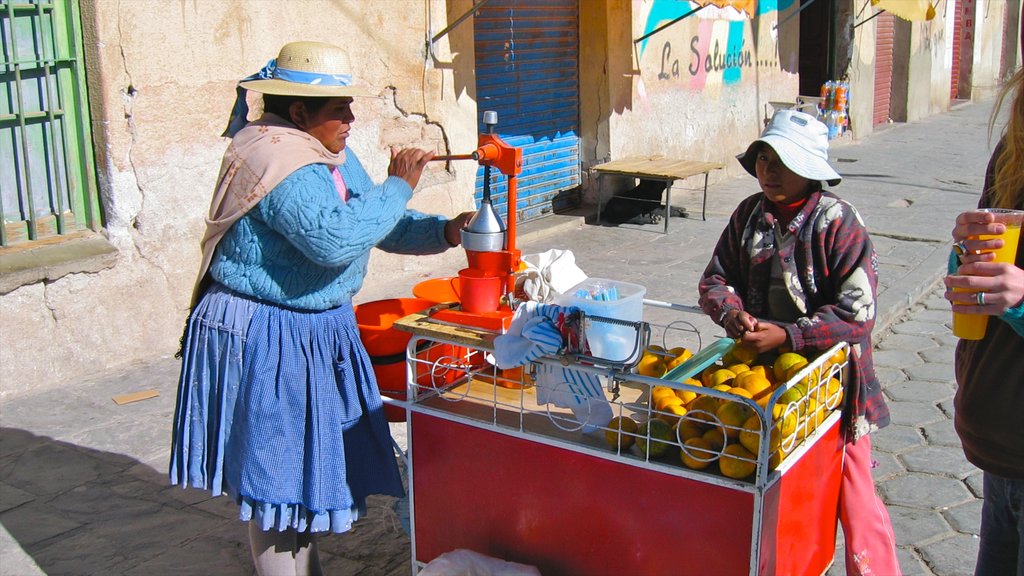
{"x": 972, "y": 326}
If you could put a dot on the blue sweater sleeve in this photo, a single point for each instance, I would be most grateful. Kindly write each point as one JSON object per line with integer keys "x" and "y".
{"x": 305, "y": 208}
{"x": 415, "y": 232}
{"x": 1014, "y": 316}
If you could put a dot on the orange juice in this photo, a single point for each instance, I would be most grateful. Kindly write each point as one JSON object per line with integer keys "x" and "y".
{"x": 972, "y": 326}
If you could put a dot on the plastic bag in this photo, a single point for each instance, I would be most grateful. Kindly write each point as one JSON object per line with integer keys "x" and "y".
{"x": 462, "y": 562}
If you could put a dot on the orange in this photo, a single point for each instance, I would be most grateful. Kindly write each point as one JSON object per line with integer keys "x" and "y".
{"x": 672, "y": 413}
{"x": 740, "y": 392}
{"x": 783, "y": 363}
{"x": 665, "y": 401}
{"x": 687, "y": 396}
{"x": 721, "y": 376}
{"x": 738, "y": 368}
{"x": 697, "y": 454}
{"x": 763, "y": 370}
{"x": 661, "y": 440}
{"x": 715, "y": 437}
{"x": 737, "y": 462}
{"x": 651, "y": 365}
{"x": 705, "y": 376}
{"x": 619, "y": 432}
{"x": 732, "y": 414}
{"x": 679, "y": 355}
{"x": 756, "y": 384}
{"x": 689, "y": 428}
{"x": 703, "y": 408}
{"x": 831, "y": 394}
{"x": 739, "y": 354}
{"x": 659, "y": 392}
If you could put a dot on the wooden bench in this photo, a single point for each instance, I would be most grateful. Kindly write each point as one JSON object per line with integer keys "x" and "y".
{"x": 658, "y": 168}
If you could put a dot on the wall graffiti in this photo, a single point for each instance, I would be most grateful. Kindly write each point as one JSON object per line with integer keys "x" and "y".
{"x": 714, "y": 48}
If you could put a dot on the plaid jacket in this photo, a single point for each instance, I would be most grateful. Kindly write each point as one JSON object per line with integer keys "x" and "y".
{"x": 830, "y": 271}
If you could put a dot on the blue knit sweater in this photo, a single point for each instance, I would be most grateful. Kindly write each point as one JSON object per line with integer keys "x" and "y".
{"x": 302, "y": 247}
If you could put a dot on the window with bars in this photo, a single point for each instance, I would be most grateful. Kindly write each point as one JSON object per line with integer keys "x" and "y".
{"x": 47, "y": 173}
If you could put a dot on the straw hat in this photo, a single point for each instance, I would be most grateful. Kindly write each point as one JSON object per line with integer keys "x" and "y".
{"x": 307, "y": 69}
{"x": 801, "y": 142}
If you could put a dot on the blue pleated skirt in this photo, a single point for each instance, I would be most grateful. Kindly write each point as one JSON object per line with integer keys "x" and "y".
{"x": 279, "y": 409}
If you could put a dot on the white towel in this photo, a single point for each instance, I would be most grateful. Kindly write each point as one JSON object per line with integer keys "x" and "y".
{"x": 549, "y": 274}
{"x": 534, "y": 332}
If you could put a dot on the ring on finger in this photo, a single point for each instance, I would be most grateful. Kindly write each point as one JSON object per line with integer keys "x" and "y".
{"x": 960, "y": 248}
{"x": 981, "y": 298}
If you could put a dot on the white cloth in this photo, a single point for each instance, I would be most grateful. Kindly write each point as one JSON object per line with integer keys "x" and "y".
{"x": 549, "y": 274}
{"x": 462, "y": 562}
{"x": 534, "y": 332}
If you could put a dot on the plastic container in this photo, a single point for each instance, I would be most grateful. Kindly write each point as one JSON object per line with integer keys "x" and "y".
{"x": 608, "y": 341}
{"x": 386, "y": 346}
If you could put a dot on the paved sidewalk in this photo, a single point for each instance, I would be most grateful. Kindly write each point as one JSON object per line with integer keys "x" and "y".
{"x": 83, "y": 480}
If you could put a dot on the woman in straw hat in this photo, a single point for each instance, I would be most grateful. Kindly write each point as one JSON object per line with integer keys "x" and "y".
{"x": 277, "y": 403}
{"x": 795, "y": 269}
{"x": 989, "y": 401}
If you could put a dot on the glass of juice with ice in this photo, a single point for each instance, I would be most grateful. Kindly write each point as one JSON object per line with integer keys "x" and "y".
{"x": 972, "y": 326}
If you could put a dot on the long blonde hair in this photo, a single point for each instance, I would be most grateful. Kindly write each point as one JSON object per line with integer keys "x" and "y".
{"x": 1008, "y": 185}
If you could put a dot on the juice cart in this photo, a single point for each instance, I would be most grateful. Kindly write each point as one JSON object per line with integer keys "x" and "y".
{"x": 495, "y": 470}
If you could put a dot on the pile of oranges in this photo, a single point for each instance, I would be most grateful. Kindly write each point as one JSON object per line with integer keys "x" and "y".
{"x": 711, "y": 430}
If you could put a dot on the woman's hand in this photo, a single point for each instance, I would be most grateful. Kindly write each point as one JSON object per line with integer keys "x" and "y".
{"x": 766, "y": 336}
{"x": 408, "y": 164}
{"x": 453, "y": 228}
{"x": 1002, "y": 287}
{"x": 969, "y": 226}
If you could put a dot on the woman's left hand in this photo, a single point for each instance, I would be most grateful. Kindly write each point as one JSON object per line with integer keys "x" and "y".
{"x": 453, "y": 228}
{"x": 1002, "y": 285}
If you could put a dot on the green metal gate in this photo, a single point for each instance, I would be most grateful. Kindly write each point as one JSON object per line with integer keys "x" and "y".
{"x": 47, "y": 183}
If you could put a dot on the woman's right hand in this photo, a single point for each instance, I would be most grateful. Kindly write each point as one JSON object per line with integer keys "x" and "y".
{"x": 408, "y": 163}
{"x": 969, "y": 226}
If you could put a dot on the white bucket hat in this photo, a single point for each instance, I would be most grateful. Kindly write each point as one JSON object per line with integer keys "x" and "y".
{"x": 801, "y": 142}
{"x": 314, "y": 69}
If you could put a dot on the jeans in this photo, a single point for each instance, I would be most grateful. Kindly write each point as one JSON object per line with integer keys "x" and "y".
{"x": 1001, "y": 552}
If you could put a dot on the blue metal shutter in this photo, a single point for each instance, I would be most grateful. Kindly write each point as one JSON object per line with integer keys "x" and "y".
{"x": 527, "y": 71}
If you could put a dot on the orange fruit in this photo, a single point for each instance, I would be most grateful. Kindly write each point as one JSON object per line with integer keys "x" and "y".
{"x": 651, "y": 365}
{"x": 703, "y": 409}
{"x": 679, "y": 355}
{"x": 663, "y": 402}
{"x": 831, "y": 394}
{"x": 763, "y": 370}
{"x": 662, "y": 438}
{"x": 715, "y": 437}
{"x": 672, "y": 413}
{"x": 620, "y": 431}
{"x": 739, "y": 354}
{"x": 738, "y": 368}
{"x": 740, "y": 392}
{"x": 756, "y": 384}
{"x": 732, "y": 414}
{"x": 697, "y": 454}
{"x": 719, "y": 377}
{"x": 687, "y": 396}
{"x": 659, "y": 392}
{"x": 705, "y": 376}
{"x": 782, "y": 364}
{"x": 737, "y": 462}
{"x": 689, "y": 428}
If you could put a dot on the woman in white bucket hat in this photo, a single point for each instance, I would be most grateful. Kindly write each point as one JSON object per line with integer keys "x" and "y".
{"x": 795, "y": 270}
{"x": 277, "y": 402}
